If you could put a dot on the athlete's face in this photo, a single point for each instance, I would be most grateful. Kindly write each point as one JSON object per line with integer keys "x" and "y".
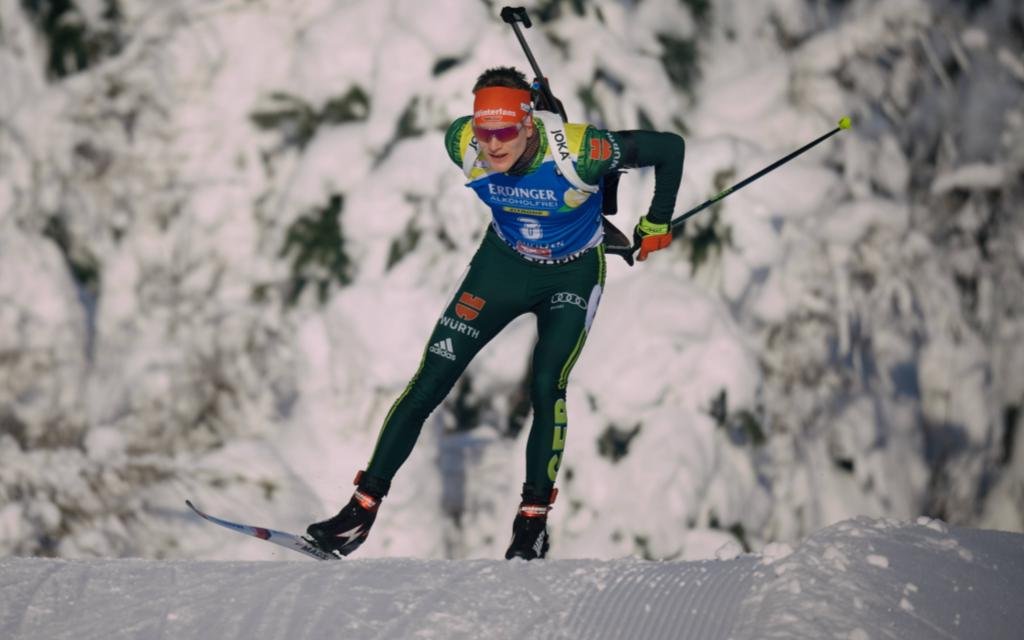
{"x": 501, "y": 155}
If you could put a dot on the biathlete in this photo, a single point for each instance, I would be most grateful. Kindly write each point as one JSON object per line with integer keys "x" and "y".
{"x": 542, "y": 254}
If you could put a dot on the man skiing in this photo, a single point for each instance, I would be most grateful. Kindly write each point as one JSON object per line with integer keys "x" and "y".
{"x": 541, "y": 254}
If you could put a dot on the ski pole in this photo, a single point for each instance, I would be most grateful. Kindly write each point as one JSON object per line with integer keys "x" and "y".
{"x": 844, "y": 123}
{"x": 514, "y": 16}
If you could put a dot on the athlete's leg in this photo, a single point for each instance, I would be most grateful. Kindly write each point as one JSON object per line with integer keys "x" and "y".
{"x": 565, "y": 300}
{"x": 485, "y": 302}
{"x": 472, "y": 318}
{"x": 564, "y": 315}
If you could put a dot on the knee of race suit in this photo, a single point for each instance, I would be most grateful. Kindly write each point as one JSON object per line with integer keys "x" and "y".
{"x": 544, "y": 388}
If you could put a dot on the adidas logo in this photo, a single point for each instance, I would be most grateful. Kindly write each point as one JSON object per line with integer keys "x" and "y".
{"x": 444, "y": 348}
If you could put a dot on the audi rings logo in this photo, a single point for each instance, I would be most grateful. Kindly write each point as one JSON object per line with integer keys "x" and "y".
{"x": 566, "y": 297}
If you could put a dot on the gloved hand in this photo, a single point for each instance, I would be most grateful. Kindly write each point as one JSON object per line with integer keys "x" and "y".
{"x": 650, "y": 237}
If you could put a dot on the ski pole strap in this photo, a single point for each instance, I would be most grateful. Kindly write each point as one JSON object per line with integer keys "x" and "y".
{"x": 652, "y": 228}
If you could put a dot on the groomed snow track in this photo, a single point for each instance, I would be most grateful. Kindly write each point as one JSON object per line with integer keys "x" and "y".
{"x": 859, "y": 579}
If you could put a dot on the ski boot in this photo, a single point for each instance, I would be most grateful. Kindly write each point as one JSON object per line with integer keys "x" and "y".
{"x": 529, "y": 529}
{"x": 342, "y": 534}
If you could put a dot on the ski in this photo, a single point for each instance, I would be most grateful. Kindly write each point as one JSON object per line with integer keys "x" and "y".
{"x": 281, "y": 538}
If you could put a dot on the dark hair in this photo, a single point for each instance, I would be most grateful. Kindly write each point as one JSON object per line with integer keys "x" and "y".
{"x": 502, "y": 77}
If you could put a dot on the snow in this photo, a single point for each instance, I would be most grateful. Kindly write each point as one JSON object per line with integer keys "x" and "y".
{"x": 973, "y": 176}
{"x": 860, "y": 578}
{"x": 866, "y": 32}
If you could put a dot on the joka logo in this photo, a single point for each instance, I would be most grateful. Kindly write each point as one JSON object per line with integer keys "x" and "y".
{"x": 600, "y": 150}
{"x": 566, "y": 297}
{"x": 469, "y": 306}
{"x": 563, "y": 146}
{"x": 444, "y": 348}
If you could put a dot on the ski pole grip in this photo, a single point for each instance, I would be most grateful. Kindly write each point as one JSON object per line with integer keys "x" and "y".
{"x": 513, "y": 15}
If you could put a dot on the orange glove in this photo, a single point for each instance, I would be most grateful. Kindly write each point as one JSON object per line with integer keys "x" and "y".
{"x": 650, "y": 237}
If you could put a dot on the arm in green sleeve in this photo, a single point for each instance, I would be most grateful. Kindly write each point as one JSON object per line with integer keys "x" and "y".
{"x": 664, "y": 152}
{"x": 606, "y": 151}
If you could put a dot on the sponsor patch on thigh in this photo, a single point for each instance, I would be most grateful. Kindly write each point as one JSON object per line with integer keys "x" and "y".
{"x": 459, "y": 326}
{"x": 563, "y": 298}
{"x": 444, "y": 348}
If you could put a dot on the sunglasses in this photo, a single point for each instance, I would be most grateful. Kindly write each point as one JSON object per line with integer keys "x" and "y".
{"x": 504, "y": 134}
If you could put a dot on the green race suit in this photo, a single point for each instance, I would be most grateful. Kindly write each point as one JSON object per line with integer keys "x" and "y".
{"x": 509, "y": 276}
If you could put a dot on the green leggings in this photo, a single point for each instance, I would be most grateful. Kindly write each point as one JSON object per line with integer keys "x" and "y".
{"x": 499, "y": 286}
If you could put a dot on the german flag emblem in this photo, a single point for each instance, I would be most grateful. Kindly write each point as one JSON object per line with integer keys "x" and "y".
{"x": 600, "y": 150}
{"x": 469, "y": 306}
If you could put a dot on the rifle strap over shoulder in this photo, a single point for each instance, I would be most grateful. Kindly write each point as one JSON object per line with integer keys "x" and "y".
{"x": 557, "y": 140}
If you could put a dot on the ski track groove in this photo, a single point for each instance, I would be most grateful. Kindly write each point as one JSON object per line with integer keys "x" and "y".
{"x": 652, "y": 600}
{"x": 348, "y": 616}
{"x": 281, "y": 606}
{"x": 69, "y": 586}
{"x": 428, "y": 600}
{"x": 197, "y": 604}
{"x": 30, "y": 595}
{"x": 549, "y": 600}
{"x": 808, "y": 594}
{"x": 298, "y": 605}
{"x": 601, "y": 620}
{"x": 661, "y": 598}
{"x": 323, "y": 614}
{"x": 165, "y": 615}
{"x": 267, "y": 619}
{"x": 721, "y": 588}
{"x": 639, "y": 595}
{"x": 141, "y": 594}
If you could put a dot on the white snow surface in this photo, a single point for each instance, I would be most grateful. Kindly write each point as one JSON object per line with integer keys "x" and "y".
{"x": 860, "y": 579}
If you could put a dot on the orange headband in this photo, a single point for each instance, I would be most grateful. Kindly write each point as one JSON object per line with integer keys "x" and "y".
{"x": 500, "y": 105}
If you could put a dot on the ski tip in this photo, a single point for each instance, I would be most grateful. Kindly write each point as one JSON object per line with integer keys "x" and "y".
{"x": 845, "y": 122}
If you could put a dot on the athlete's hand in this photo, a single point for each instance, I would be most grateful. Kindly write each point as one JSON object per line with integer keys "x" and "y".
{"x": 650, "y": 237}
